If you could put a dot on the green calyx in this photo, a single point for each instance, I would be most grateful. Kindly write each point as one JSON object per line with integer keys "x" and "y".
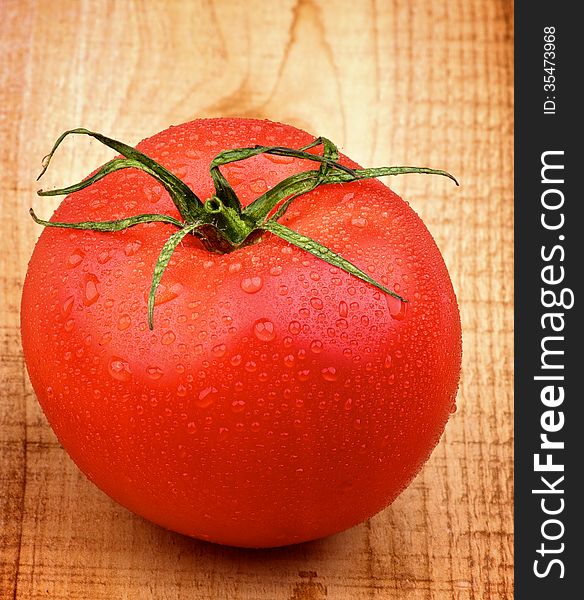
{"x": 221, "y": 222}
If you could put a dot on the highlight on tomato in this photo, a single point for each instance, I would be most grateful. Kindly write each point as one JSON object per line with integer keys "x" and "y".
{"x": 240, "y": 334}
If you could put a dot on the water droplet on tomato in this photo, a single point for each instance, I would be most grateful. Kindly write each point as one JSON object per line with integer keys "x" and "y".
{"x": 289, "y": 360}
{"x": 191, "y": 427}
{"x": 279, "y": 160}
{"x": 359, "y": 222}
{"x": 90, "y": 291}
{"x": 235, "y": 173}
{"x": 264, "y": 330}
{"x": 153, "y": 193}
{"x": 237, "y": 406}
{"x": 343, "y": 309}
{"x": 219, "y": 350}
{"x": 251, "y": 285}
{"x": 104, "y": 257}
{"x": 206, "y": 397}
{"x": 165, "y": 293}
{"x": 154, "y": 372}
{"x": 316, "y": 346}
{"x": 329, "y": 374}
{"x": 304, "y": 375}
{"x": 124, "y": 322}
{"x": 397, "y": 308}
{"x": 316, "y": 303}
{"x": 67, "y": 306}
{"x": 119, "y": 369}
{"x": 275, "y": 271}
{"x": 168, "y": 338}
{"x": 258, "y": 186}
{"x": 192, "y": 153}
{"x": 75, "y": 259}
{"x": 387, "y": 362}
{"x": 181, "y": 390}
{"x": 294, "y": 327}
{"x": 132, "y": 247}
{"x": 234, "y": 267}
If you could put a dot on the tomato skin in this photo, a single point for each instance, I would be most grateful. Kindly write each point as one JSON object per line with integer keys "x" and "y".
{"x": 278, "y": 399}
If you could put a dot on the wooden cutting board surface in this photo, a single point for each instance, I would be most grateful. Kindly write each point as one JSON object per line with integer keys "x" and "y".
{"x": 393, "y": 82}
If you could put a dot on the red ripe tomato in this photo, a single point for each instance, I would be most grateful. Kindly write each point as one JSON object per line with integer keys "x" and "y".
{"x": 278, "y": 398}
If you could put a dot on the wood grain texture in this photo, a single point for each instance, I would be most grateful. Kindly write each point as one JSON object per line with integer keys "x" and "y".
{"x": 392, "y": 81}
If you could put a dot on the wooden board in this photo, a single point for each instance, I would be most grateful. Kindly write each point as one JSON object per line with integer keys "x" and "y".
{"x": 392, "y": 81}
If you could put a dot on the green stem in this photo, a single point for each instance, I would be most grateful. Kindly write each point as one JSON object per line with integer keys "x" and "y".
{"x": 220, "y": 222}
{"x": 109, "y": 226}
{"x": 224, "y": 190}
{"x": 232, "y": 225}
{"x": 186, "y": 201}
{"x": 309, "y": 245}
{"x": 163, "y": 259}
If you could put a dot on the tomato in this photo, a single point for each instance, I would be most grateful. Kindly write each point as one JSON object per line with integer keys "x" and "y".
{"x": 277, "y": 398}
